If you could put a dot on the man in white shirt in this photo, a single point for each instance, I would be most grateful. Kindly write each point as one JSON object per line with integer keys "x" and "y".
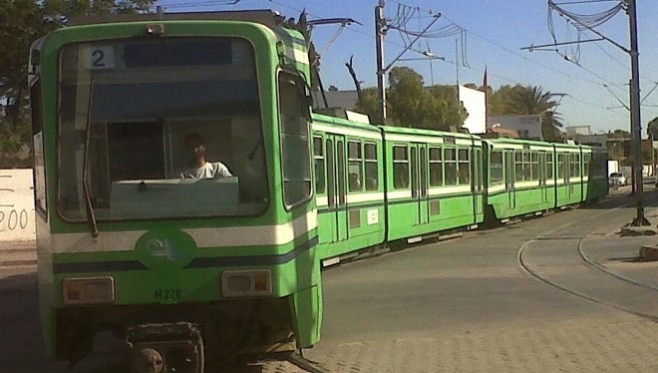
{"x": 199, "y": 168}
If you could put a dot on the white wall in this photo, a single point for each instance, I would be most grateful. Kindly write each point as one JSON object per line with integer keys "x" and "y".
{"x": 474, "y": 102}
{"x": 16, "y": 206}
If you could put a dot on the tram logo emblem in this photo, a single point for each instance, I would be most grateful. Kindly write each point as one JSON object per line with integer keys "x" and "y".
{"x": 163, "y": 248}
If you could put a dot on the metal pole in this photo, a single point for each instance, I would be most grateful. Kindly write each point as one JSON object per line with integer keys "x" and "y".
{"x": 636, "y": 123}
{"x": 381, "y": 73}
{"x": 652, "y": 172}
{"x": 457, "y": 62}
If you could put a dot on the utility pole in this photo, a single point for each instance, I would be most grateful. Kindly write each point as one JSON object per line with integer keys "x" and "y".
{"x": 636, "y": 124}
{"x": 381, "y": 28}
{"x": 380, "y": 31}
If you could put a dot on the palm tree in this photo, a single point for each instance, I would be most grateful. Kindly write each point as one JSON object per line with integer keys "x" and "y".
{"x": 531, "y": 100}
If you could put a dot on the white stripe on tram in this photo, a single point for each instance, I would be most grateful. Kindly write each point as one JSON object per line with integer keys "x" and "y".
{"x": 369, "y": 197}
{"x": 413, "y": 138}
{"x": 346, "y": 131}
{"x": 204, "y": 237}
{"x": 322, "y": 201}
{"x": 298, "y": 55}
{"x": 400, "y": 194}
{"x": 497, "y": 188}
{"x": 527, "y": 184}
{"x": 449, "y": 190}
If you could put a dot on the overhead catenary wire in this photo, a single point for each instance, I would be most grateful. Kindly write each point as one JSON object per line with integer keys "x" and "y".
{"x": 353, "y": 29}
{"x": 430, "y": 13}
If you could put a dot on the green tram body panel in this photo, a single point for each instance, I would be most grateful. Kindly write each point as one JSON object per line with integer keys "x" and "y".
{"x": 349, "y": 185}
{"x": 433, "y": 180}
{"x": 135, "y": 253}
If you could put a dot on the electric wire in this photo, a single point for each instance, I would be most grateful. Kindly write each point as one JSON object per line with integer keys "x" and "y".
{"x": 353, "y": 29}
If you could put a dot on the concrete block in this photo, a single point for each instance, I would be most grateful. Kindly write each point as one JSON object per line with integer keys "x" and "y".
{"x": 649, "y": 253}
{"x": 637, "y": 231}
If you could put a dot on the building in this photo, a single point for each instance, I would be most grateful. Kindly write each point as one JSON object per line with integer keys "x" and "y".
{"x": 574, "y": 131}
{"x": 527, "y": 126}
{"x": 620, "y": 149}
{"x": 591, "y": 140}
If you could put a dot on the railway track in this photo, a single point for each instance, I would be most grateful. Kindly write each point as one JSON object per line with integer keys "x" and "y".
{"x": 576, "y": 274}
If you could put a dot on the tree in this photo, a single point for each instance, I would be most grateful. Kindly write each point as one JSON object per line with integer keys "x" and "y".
{"x": 21, "y": 23}
{"x": 619, "y": 134}
{"x": 333, "y": 88}
{"x": 528, "y": 100}
{"x": 369, "y": 105}
{"x": 410, "y": 104}
{"x": 652, "y": 128}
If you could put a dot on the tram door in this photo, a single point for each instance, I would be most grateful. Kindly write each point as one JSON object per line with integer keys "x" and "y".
{"x": 567, "y": 174}
{"x": 509, "y": 178}
{"x": 476, "y": 179}
{"x": 542, "y": 177}
{"x": 419, "y": 182}
{"x": 336, "y": 186}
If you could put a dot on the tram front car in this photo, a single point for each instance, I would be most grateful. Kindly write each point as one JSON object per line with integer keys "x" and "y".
{"x": 185, "y": 264}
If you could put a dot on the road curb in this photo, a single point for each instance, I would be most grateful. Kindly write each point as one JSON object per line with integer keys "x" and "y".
{"x": 17, "y": 263}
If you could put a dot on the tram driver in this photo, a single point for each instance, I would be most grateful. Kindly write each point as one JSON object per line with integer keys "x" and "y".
{"x": 198, "y": 166}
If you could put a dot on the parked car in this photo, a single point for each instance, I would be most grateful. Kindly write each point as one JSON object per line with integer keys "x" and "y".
{"x": 617, "y": 178}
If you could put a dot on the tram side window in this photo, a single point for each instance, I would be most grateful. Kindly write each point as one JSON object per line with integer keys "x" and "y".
{"x": 561, "y": 166}
{"x": 534, "y": 165}
{"x": 575, "y": 165}
{"x": 372, "y": 174}
{"x": 518, "y": 162}
{"x": 496, "y": 168}
{"x": 318, "y": 155}
{"x": 586, "y": 161}
{"x": 400, "y": 167}
{"x": 451, "y": 166}
{"x": 294, "y": 140}
{"x": 436, "y": 167}
{"x": 549, "y": 166}
{"x": 39, "y": 163}
{"x": 464, "y": 167}
{"x": 355, "y": 164}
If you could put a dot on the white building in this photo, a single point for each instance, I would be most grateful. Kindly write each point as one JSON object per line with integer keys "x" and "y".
{"x": 528, "y": 126}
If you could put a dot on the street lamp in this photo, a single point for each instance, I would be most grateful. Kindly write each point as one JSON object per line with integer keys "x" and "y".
{"x": 429, "y": 57}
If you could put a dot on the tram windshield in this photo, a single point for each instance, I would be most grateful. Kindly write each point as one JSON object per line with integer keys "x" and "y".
{"x": 160, "y": 128}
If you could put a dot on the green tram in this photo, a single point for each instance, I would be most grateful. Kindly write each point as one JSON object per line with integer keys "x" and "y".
{"x": 193, "y": 270}
{"x": 377, "y": 186}
{"x": 531, "y": 177}
{"x": 436, "y": 182}
{"x": 178, "y": 267}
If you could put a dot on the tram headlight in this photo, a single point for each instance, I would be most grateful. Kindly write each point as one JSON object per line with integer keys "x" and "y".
{"x": 246, "y": 283}
{"x": 88, "y": 290}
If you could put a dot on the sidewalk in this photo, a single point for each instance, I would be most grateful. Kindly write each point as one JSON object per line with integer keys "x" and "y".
{"x": 619, "y": 256}
{"x": 18, "y": 254}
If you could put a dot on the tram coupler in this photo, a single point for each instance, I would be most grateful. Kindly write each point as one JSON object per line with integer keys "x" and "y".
{"x": 165, "y": 348}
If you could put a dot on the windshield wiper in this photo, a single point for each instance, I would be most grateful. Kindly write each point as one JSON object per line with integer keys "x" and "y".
{"x": 91, "y": 217}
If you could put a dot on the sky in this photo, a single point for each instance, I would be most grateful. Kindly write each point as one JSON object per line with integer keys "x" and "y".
{"x": 594, "y": 76}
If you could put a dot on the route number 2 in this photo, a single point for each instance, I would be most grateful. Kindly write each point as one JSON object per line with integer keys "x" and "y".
{"x": 100, "y": 57}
